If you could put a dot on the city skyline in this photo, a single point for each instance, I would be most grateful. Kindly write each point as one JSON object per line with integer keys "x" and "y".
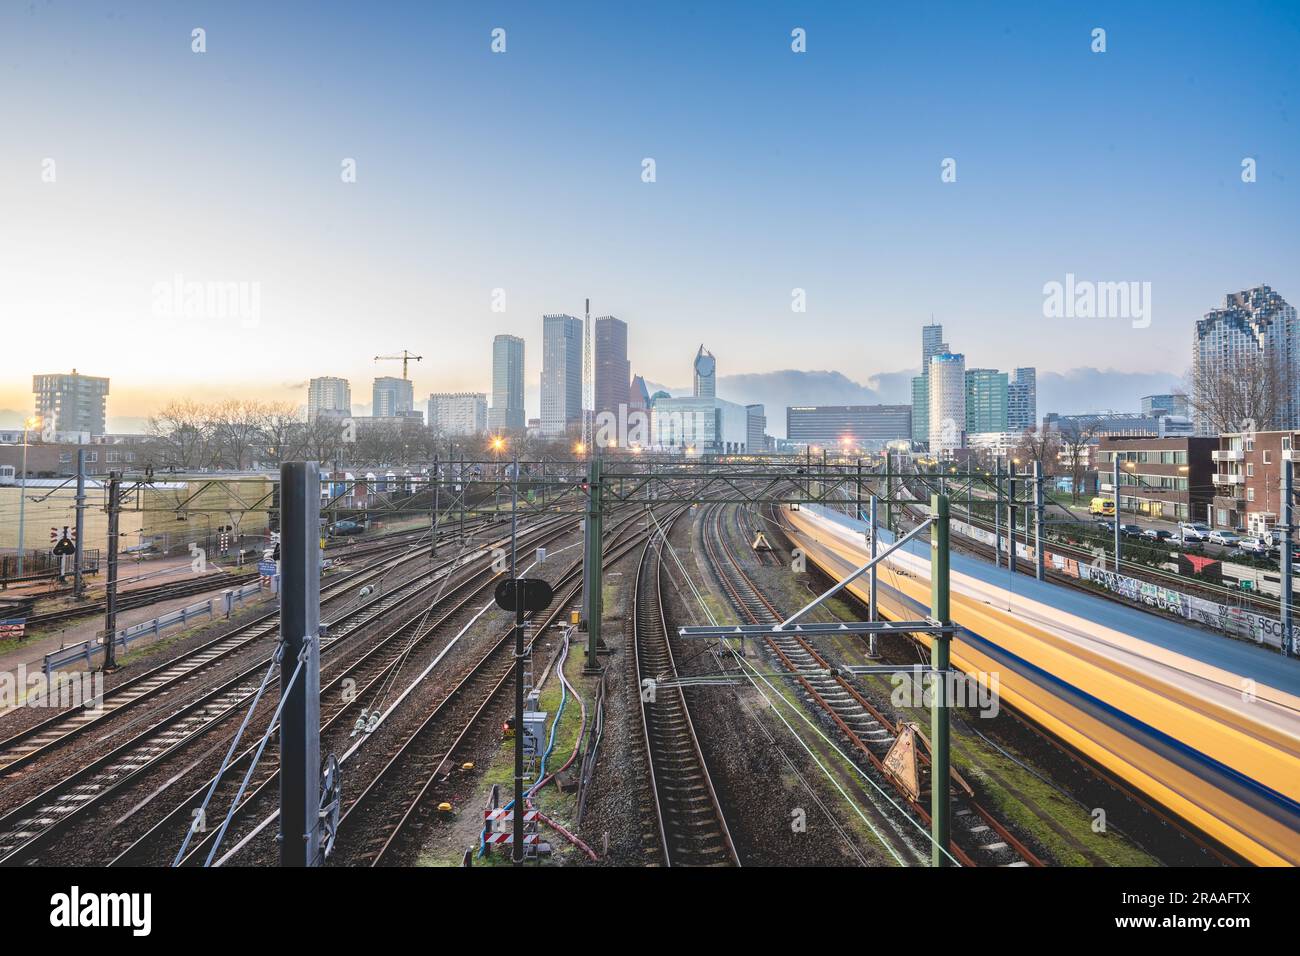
{"x": 763, "y": 186}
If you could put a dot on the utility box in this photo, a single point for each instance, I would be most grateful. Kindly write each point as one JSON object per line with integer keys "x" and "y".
{"x": 534, "y": 732}
{"x": 541, "y": 555}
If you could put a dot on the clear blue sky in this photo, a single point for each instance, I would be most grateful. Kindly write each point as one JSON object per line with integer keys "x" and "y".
{"x": 522, "y": 171}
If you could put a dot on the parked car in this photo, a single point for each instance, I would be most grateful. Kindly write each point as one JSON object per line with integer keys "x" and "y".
{"x": 1229, "y": 539}
{"x": 1255, "y": 546}
{"x": 1157, "y": 534}
{"x": 1131, "y": 530}
{"x": 1194, "y": 531}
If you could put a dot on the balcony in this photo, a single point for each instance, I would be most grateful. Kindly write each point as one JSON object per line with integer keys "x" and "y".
{"x": 1225, "y": 479}
{"x": 1227, "y": 454}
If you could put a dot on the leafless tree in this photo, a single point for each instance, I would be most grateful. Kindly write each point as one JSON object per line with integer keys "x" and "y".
{"x": 182, "y": 433}
{"x": 237, "y": 426}
{"x": 1074, "y": 435}
{"x": 1242, "y": 392}
{"x": 327, "y": 438}
{"x": 284, "y": 433}
{"x": 1040, "y": 445}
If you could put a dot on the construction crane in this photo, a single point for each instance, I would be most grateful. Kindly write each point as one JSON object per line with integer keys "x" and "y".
{"x": 405, "y": 357}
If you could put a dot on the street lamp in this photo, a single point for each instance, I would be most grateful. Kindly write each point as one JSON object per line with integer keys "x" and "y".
{"x": 1187, "y": 507}
{"x": 28, "y": 423}
{"x": 498, "y": 443}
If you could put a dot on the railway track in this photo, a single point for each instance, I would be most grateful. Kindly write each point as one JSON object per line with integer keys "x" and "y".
{"x": 376, "y": 826}
{"x": 28, "y": 828}
{"x": 59, "y": 729}
{"x": 979, "y": 838}
{"x": 337, "y": 549}
{"x": 143, "y": 597}
{"x": 341, "y": 710}
{"x": 409, "y": 772}
{"x": 692, "y": 827}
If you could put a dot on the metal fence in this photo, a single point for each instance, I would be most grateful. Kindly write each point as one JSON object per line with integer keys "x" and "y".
{"x": 220, "y": 606}
{"x": 43, "y": 564}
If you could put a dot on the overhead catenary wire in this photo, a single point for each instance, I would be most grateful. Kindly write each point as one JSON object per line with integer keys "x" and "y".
{"x": 748, "y": 668}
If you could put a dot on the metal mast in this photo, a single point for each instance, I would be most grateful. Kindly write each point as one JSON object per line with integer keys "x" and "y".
{"x": 588, "y": 382}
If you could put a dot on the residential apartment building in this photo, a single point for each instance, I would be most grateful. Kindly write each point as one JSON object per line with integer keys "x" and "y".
{"x": 1255, "y": 325}
{"x": 458, "y": 414}
{"x": 71, "y": 404}
{"x": 330, "y": 396}
{"x": 1162, "y": 478}
{"x": 1247, "y": 478}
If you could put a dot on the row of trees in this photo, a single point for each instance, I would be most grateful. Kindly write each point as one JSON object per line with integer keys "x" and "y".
{"x": 235, "y": 434}
{"x": 240, "y": 434}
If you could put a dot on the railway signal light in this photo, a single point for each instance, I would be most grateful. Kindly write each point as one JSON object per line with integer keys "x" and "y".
{"x": 528, "y": 594}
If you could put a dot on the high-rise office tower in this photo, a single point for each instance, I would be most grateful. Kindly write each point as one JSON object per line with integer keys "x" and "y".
{"x": 1022, "y": 400}
{"x": 507, "y": 412}
{"x": 613, "y": 371}
{"x": 328, "y": 395}
{"x": 757, "y": 429}
{"x": 986, "y": 401}
{"x": 72, "y": 403}
{"x": 1255, "y": 333}
{"x": 947, "y": 387}
{"x": 932, "y": 344}
{"x": 561, "y": 373}
{"x": 706, "y": 374}
{"x": 392, "y": 397}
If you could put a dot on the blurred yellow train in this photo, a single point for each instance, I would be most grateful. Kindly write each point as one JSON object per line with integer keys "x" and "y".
{"x": 1218, "y": 750}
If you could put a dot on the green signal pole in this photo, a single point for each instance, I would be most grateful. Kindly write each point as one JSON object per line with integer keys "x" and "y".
{"x": 939, "y": 664}
{"x": 591, "y": 576}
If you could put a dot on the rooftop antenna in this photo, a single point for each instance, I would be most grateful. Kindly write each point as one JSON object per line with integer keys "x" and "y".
{"x": 588, "y": 383}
